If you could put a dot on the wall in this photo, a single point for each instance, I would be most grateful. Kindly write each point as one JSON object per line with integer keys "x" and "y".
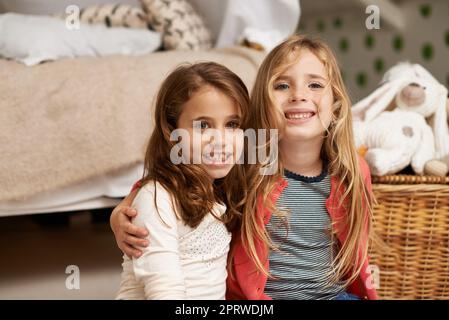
{"x": 365, "y": 55}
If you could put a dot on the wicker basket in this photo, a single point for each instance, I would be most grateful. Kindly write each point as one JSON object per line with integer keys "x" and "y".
{"x": 412, "y": 217}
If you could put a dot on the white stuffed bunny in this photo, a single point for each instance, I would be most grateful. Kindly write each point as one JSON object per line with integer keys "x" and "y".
{"x": 397, "y": 138}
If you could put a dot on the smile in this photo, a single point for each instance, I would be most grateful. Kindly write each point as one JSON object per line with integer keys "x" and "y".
{"x": 299, "y": 115}
{"x": 216, "y": 158}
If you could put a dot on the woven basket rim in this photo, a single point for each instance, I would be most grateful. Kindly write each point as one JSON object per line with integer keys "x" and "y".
{"x": 409, "y": 179}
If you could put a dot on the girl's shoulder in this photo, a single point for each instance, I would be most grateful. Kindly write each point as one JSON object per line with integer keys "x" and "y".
{"x": 363, "y": 164}
{"x": 366, "y": 173}
{"x": 153, "y": 189}
{"x": 151, "y": 196}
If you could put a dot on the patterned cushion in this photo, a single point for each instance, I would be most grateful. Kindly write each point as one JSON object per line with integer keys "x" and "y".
{"x": 113, "y": 15}
{"x": 181, "y": 27}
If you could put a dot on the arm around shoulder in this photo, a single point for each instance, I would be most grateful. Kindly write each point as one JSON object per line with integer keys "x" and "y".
{"x": 159, "y": 268}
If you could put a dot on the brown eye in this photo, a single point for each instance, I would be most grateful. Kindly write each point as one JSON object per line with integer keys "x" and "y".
{"x": 233, "y": 125}
{"x": 201, "y": 125}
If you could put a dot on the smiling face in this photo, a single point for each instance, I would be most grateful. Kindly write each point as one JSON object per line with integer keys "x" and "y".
{"x": 304, "y": 96}
{"x": 215, "y": 118}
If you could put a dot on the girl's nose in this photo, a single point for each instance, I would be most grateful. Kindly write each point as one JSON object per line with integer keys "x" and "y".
{"x": 298, "y": 95}
{"x": 217, "y": 139}
{"x": 297, "y": 98}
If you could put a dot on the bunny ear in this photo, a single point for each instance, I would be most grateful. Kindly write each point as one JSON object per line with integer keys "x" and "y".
{"x": 421, "y": 72}
{"x": 440, "y": 127}
{"x": 371, "y": 106}
{"x": 447, "y": 105}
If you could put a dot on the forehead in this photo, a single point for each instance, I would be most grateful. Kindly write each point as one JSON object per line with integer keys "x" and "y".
{"x": 211, "y": 102}
{"x": 304, "y": 61}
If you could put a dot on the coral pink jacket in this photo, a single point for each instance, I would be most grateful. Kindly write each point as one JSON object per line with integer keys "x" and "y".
{"x": 248, "y": 283}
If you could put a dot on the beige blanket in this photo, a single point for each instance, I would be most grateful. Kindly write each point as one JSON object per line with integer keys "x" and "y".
{"x": 70, "y": 120}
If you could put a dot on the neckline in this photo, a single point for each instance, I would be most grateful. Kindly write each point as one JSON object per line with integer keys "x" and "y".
{"x": 221, "y": 208}
{"x": 307, "y": 179}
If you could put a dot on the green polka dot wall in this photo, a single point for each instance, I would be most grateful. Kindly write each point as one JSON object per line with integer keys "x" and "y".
{"x": 338, "y": 23}
{"x": 426, "y": 51}
{"x": 379, "y": 65}
{"x": 425, "y": 10}
{"x": 361, "y": 79}
{"x": 369, "y": 41}
{"x": 398, "y": 43}
{"x": 343, "y": 44}
{"x": 320, "y": 26}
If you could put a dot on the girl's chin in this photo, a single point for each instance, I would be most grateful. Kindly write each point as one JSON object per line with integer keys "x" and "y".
{"x": 302, "y": 134}
{"x": 217, "y": 171}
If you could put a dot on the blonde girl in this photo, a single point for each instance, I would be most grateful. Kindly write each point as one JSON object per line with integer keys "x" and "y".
{"x": 322, "y": 191}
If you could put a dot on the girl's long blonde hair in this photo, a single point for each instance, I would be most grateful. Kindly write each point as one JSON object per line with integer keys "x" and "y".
{"x": 338, "y": 150}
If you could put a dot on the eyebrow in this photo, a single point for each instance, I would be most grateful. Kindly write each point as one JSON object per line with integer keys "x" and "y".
{"x": 316, "y": 76}
{"x": 231, "y": 117}
{"x": 284, "y": 78}
{"x": 309, "y": 75}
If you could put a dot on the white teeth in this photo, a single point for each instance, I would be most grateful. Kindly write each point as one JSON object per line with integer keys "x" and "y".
{"x": 216, "y": 158}
{"x": 299, "y": 115}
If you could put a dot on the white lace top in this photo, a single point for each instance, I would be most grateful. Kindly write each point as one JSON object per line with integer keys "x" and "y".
{"x": 180, "y": 262}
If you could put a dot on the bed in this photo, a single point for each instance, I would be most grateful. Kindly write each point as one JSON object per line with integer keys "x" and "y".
{"x": 74, "y": 131}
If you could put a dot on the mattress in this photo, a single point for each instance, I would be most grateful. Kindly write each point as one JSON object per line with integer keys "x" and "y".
{"x": 93, "y": 116}
{"x": 101, "y": 192}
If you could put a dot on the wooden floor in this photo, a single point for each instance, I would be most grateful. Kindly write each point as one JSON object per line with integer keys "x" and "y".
{"x": 36, "y": 250}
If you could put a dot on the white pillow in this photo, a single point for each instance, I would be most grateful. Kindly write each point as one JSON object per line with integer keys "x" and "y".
{"x": 33, "y": 39}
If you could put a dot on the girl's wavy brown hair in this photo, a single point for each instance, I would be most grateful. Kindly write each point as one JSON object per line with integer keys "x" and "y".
{"x": 193, "y": 192}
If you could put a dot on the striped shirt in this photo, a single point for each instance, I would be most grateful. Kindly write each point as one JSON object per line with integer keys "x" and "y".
{"x": 303, "y": 265}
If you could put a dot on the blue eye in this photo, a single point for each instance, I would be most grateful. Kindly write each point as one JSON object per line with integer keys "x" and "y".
{"x": 316, "y": 85}
{"x": 281, "y": 86}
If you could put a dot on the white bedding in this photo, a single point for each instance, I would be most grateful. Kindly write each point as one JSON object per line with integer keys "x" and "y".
{"x": 32, "y": 39}
{"x": 101, "y": 192}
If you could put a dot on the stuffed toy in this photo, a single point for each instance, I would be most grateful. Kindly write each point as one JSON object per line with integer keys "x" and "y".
{"x": 403, "y": 122}
{"x": 438, "y": 167}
